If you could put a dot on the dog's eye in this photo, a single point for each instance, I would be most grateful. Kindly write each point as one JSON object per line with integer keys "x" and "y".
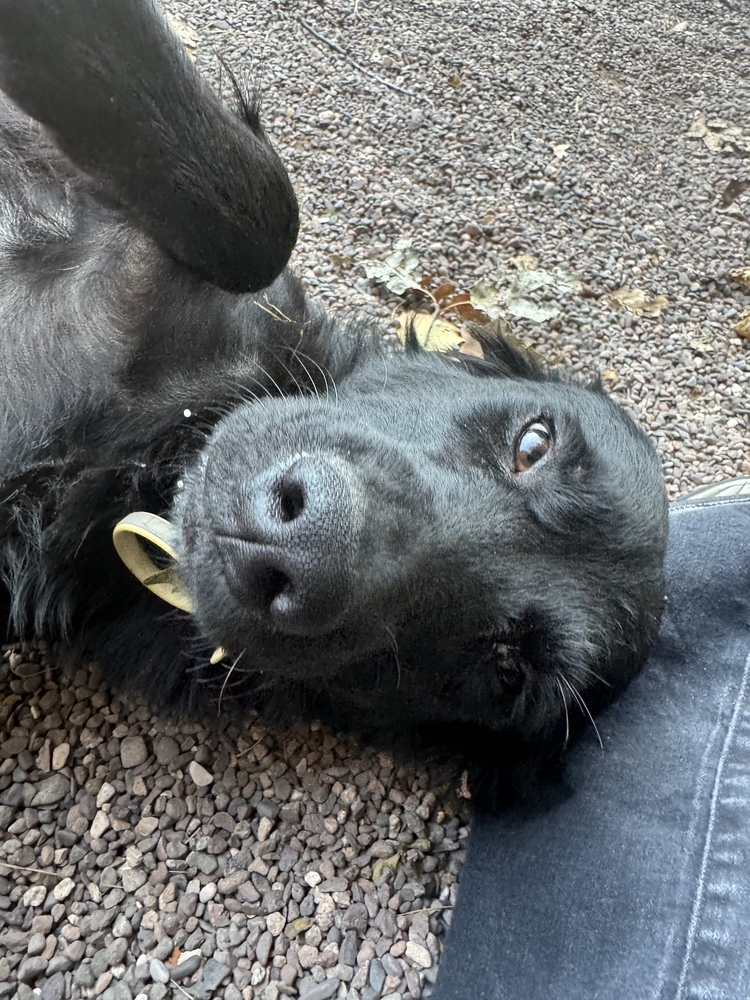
{"x": 532, "y": 445}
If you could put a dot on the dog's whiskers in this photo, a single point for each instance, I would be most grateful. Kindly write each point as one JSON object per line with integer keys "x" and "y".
{"x": 561, "y": 689}
{"x": 323, "y": 371}
{"x": 229, "y": 673}
{"x": 583, "y": 706}
{"x": 392, "y": 637}
{"x": 588, "y": 671}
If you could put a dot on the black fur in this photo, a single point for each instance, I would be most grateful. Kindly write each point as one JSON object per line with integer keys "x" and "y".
{"x": 355, "y": 528}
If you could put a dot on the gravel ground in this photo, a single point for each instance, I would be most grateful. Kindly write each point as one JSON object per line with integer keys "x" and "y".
{"x": 151, "y": 860}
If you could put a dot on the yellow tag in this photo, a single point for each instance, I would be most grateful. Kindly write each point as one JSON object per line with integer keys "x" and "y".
{"x": 164, "y": 583}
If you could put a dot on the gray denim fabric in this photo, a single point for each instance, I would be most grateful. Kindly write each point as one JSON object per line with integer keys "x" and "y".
{"x": 636, "y": 884}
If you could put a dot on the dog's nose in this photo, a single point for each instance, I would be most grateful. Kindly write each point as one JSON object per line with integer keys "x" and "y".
{"x": 288, "y": 556}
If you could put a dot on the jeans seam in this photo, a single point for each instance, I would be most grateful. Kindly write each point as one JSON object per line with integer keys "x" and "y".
{"x": 680, "y": 507}
{"x": 697, "y": 907}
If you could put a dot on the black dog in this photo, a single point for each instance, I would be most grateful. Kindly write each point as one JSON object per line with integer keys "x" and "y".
{"x": 449, "y": 554}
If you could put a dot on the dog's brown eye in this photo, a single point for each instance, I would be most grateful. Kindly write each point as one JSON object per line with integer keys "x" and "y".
{"x": 532, "y": 445}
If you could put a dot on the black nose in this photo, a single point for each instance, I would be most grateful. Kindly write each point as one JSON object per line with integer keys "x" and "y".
{"x": 289, "y": 549}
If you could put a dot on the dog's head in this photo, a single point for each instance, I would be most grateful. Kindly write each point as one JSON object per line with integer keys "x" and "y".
{"x": 437, "y": 541}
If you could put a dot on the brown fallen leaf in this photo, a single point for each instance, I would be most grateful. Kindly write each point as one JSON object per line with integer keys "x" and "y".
{"x": 461, "y": 305}
{"x": 741, "y": 275}
{"x": 174, "y": 958}
{"x": 732, "y": 191}
{"x": 637, "y": 301}
{"x": 742, "y": 326}
{"x": 610, "y": 375}
{"x": 443, "y": 292}
{"x": 454, "y": 80}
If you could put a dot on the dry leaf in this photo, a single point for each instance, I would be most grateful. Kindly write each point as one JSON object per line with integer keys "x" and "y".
{"x": 537, "y": 312}
{"x": 637, "y": 301}
{"x": 732, "y": 191}
{"x": 560, "y": 149}
{"x": 454, "y": 80}
{"x": 715, "y": 132}
{"x": 398, "y": 272}
{"x": 741, "y": 275}
{"x": 174, "y": 958}
{"x": 437, "y": 334}
{"x": 471, "y": 346}
{"x": 702, "y": 346}
{"x": 301, "y": 924}
{"x": 742, "y": 326}
{"x": 432, "y": 333}
{"x": 187, "y": 35}
{"x": 698, "y": 126}
{"x": 341, "y": 260}
{"x": 525, "y": 262}
{"x": 713, "y": 141}
{"x": 486, "y": 296}
{"x": 443, "y": 292}
{"x": 462, "y": 306}
{"x": 610, "y": 375}
{"x": 382, "y": 863}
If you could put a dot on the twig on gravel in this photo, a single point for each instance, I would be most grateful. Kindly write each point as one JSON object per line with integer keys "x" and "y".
{"x": 25, "y": 868}
{"x": 180, "y": 988}
{"x": 360, "y": 67}
{"x": 431, "y": 909}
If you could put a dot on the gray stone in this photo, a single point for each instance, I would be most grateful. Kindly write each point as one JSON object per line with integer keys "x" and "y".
{"x": 322, "y": 991}
{"x": 158, "y": 971}
{"x": 355, "y": 918}
{"x": 204, "y": 862}
{"x": 349, "y": 948}
{"x": 59, "y": 963}
{"x": 392, "y": 965}
{"x": 31, "y": 969}
{"x": 53, "y": 988}
{"x": 186, "y": 967}
{"x": 263, "y": 947}
{"x": 36, "y": 944}
{"x": 51, "y": 790}
{"x": 122, "y": 928}
{"x": 213, "y": 973}
{"x": 377, "y": 975}
{"x": 116, "y": 951}
{"x": 166, "y": 749}
{"x": 334, "y": 885}
{"x": 118, "y": 991}
{"x": 15, "y": 939}
{"x": 133, "y": 751}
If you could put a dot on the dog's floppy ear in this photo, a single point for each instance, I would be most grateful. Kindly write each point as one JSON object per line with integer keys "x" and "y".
{"x": 506, "y": 356}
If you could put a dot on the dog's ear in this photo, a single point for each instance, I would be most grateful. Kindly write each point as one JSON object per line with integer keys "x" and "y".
{"x": 506, "y": 356}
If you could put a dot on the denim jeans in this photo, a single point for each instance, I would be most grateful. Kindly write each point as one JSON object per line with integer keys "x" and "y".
{"x": 635, "y": 884}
